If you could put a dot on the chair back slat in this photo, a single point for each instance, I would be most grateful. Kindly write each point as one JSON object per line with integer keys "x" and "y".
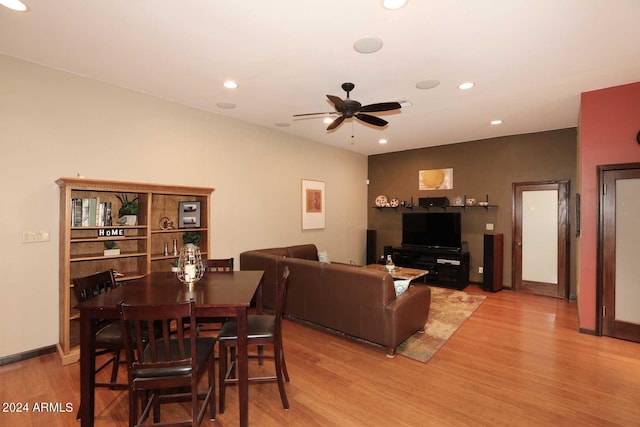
{"x": 222, "y": 265}
{"x": 85, "y": 288}
{"x": 150, "y": 340}
{"x": 282, "y": 295}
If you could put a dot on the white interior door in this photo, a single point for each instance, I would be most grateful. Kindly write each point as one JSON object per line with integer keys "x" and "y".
{"x": 620, "y": 222}
{"x": 541, "y": 238}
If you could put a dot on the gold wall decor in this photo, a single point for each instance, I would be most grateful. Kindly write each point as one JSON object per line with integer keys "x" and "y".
{"x": 435, "y": 179}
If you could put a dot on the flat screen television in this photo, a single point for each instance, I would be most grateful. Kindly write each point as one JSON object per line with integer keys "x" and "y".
{"x": 432, "y": 229}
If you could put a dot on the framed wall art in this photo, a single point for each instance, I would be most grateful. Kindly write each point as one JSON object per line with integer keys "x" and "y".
{"x": 189, "y": 214}
{"x": 313, "y": 204}
{"x": 435, "y": 179}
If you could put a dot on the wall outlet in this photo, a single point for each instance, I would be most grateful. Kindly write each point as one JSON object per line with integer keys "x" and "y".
{"x": 480, "y": 270}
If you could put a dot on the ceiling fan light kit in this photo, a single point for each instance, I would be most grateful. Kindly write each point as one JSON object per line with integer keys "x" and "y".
{"x": 16, "y": 5}
{"x": 349, "y": 108}
{"x": 393, "y": 4}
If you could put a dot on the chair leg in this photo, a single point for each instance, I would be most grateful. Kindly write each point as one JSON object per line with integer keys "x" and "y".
{"x": 114, "y": 369}
{"x": 212, "y": 386}
{"x": 284, "y": 365}
{"x": 222, "y": 371}
{"x": 278, "y": 357}
{"x": 232, "y": 360}
{"x": 133, "y": 407}
{"x": 156, "y": 406}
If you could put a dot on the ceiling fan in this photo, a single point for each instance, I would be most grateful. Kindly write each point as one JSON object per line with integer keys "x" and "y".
{"x": 349, "y": 108}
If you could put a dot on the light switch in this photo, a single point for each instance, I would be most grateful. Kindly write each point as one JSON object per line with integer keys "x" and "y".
{"x": 35, "y": 236}
{"x": 489, "y": 227}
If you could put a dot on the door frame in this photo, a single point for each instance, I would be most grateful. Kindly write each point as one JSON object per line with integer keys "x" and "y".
{"x": 600, "y": 244}
{"x": 564, "y": 238}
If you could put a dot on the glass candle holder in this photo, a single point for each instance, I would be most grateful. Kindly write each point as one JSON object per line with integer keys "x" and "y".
{"x": 190, "y": 268}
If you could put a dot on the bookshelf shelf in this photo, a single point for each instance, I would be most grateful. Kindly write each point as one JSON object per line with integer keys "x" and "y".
{"x": 81, "y": 247}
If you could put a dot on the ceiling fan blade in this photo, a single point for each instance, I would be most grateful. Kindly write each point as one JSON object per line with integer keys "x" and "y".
{"x": 313, "y": 114}
{"x": 337, "y": 122}
{"x": 382, "y": 106}
{"x": 372, "y": 120}
{"x": 338, "y": 102}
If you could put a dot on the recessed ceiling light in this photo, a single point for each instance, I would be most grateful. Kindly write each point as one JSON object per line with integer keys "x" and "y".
{"x": 393, "y": 4}
{"x": 327, "y": 120}
{"x": 382, "y": 141}
{"x": 283, "y": 125}
{"x": 466, "y": 85}
{"x": 368, "y": 45}
{"x": 496, "y": 122}
{"x": 226, "y": 105}
{"x": 230, "y": 84}
{"x": 14, "y": 5}
{"x": 427, "y": 84}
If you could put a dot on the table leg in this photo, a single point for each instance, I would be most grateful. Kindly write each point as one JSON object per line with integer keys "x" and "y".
{"x": 87, "y": 369}
{"x": 243, "y": 366}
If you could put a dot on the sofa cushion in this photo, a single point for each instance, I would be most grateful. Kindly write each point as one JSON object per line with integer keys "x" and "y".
{"x": 401, "y": 286}
{"x": 323, "y": 256}
{"x": 274, "y": 251}
{"x": 309, "y": 252}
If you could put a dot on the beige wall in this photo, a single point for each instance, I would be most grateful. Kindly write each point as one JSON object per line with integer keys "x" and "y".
{"x": 480, "y": 168}
{"x": 55, "y": 124}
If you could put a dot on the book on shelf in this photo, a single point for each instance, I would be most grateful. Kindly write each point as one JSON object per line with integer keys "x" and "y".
{"x": 76, "y": 212}
{"x": 85, "y": 212}
{"x": 90, "y": 212}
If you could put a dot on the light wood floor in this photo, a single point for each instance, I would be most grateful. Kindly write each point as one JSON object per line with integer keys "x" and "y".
{"x": 518, "y": 361}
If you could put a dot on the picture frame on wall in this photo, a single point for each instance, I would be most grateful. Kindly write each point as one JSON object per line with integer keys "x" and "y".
{"x": 435, "y": 179}
{"x": 189, "y": 214}
{"x": 313, "y": 204}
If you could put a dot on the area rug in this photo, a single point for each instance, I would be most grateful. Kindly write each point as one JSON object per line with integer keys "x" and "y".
{"x": 449, "y": 310}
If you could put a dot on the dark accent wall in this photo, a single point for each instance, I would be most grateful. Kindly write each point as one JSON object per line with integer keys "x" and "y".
{"x": 480, "y": 168}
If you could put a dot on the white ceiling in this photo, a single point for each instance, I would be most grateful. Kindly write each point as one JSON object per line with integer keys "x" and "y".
{"x": 529, "y": 59}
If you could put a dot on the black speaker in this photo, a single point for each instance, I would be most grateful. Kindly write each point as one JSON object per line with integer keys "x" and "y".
{"x": 492, "y": 269}
{"x": 371, "y": 246}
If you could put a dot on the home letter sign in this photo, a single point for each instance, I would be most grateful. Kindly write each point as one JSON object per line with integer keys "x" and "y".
{"x": 111, "y": 232}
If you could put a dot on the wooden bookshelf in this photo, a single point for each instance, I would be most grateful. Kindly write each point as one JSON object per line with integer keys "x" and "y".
{"x": 141, "y": 246}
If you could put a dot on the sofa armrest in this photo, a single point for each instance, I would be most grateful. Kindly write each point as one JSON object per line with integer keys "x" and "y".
{"x": 408, "y": 313}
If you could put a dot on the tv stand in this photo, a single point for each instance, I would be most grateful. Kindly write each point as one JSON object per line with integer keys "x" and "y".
{"x": 447, "y": 267}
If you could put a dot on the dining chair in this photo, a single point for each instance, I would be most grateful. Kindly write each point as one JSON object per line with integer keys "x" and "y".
{"x": 262, "y": 329}
{"x": 219, "y": 265}
{"x": 160, "y": 367}
{"x": 108, "y": 335}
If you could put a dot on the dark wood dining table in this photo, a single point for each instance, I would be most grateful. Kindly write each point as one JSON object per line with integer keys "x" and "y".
{"x": 215, "y": 295}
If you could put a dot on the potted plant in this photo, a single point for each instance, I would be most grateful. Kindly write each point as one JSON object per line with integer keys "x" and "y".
{"x": 129, "y": 210}
{"x": 111, "y": 248}
{"x": 174, "y": 265}
{"x": 192, "y": 237}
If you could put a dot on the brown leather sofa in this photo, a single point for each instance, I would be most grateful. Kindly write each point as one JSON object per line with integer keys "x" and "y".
{"x": 353, "y": 300}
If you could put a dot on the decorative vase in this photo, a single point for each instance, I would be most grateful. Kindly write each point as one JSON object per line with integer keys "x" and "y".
{"x": 128, "y": 220}
{"x": 190, "y": 268}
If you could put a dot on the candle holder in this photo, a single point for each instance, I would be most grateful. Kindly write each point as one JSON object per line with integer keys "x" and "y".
{"x": 190, "y": 268}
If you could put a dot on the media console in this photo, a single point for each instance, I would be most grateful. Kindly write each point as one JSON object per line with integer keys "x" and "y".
{"x": 448, "y": 268}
